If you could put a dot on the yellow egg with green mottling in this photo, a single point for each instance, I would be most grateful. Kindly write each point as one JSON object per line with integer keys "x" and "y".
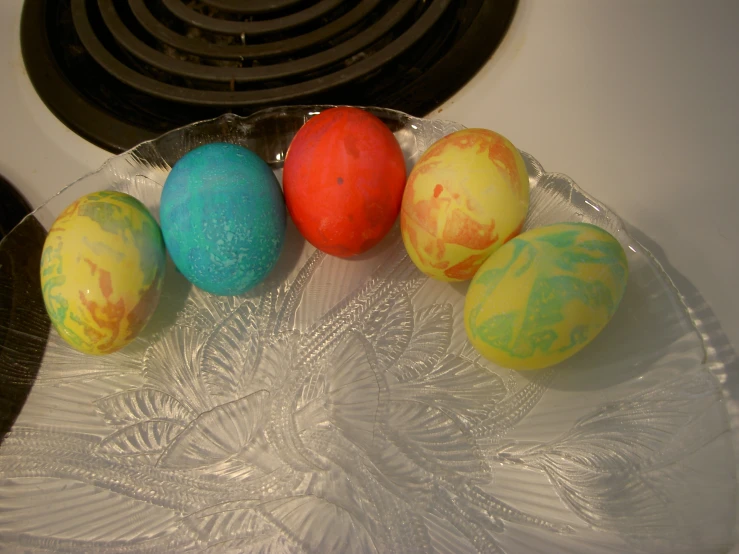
{"x": 102, "y": 269}
{"x": 544, "y": 295}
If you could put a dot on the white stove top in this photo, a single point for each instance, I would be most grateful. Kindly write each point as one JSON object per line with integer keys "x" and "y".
{"x": 634, "y": 100}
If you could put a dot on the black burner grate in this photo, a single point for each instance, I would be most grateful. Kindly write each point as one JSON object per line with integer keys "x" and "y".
{"x": 122, "y": 71}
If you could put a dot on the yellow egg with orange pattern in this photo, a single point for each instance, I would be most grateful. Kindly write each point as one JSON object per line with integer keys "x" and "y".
{"x": 102, "y": 269}
{"x": 466, "y": 197}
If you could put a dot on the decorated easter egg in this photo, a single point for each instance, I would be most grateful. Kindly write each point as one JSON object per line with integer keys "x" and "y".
{"x": 467, "y": 195}
{"x": 102, "y": 269}
{"x": 223, "y": 218}
{"x": 544, "y": 295}
{"x": 343, "y": 179}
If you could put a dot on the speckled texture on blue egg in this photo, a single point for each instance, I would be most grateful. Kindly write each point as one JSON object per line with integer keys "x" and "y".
{"x": 223, "y": 218}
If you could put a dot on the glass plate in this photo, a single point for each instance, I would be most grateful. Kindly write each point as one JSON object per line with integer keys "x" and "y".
{"x": 339, "y": 407}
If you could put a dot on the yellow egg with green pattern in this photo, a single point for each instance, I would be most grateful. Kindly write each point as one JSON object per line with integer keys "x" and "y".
{"x": 102, "y": 269}
{"x": 545, "y": 295}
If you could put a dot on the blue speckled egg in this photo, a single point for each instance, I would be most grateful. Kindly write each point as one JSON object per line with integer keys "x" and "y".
{"x": 223, "y": 218}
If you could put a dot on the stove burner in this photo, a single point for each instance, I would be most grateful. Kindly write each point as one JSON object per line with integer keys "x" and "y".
{"x": 122, "y": 71}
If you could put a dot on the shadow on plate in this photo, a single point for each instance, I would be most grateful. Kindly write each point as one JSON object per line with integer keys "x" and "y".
{"x": 291, "y": 253}
{"x": 24, "y": 324}
{"x": 177, "y": 288}
{"x": 647, "y": 330}
{"x": 719, "y": 346}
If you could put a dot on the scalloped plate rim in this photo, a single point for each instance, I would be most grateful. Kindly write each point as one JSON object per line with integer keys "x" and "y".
{"x": 717, "y": 368}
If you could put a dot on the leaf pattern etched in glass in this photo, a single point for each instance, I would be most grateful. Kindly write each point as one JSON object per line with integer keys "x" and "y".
{"x": 338, "y": 407}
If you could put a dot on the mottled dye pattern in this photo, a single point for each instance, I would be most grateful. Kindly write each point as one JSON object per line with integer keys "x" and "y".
{"x": 466, "y": 196}
{"x": 223, "y": 218}
{"x": 102, "y": 269}
{"x": 344, "y": 177}
{"x": 545, "y": 295}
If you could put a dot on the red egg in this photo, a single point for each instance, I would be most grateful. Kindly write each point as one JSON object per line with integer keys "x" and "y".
{"x": 343, "y": 181}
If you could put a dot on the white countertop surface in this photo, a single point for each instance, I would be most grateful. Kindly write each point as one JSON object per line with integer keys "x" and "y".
{"x": 635, "y": 100}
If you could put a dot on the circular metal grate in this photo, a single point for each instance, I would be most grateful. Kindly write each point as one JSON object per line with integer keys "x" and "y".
{"x": 122, "y": 71}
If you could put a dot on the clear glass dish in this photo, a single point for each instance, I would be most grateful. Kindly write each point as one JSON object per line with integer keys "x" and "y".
{"x": 339, "y": 407}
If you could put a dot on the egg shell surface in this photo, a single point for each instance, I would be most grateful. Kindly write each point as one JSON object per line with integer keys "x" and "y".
{"x": 223, "y": 218}
{"x": 343, "y": 179}
{"x": 545, "y": 295}
{"x": 467, "y": 195}
{"x": 102, "y": 269}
